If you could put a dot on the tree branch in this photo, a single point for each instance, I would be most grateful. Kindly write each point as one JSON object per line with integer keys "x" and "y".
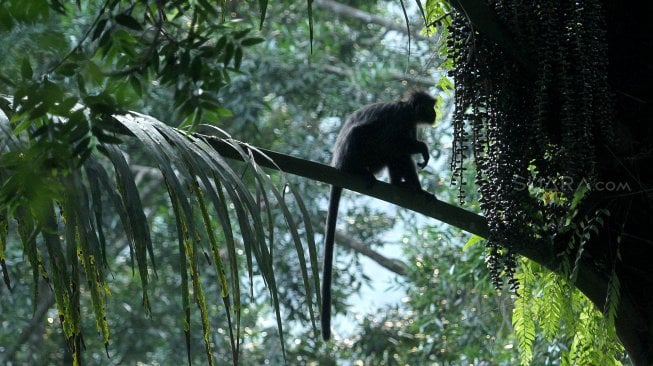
{"x": 348, "y": 72}
{"x": 392, "y": 264}
{"x": 589, "y": 280}
{"x": 421, "y": 202}
{"x": 351, "y": 12}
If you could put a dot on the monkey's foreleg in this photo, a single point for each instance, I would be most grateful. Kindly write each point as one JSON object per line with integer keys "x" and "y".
{"x": 419, "y": 147}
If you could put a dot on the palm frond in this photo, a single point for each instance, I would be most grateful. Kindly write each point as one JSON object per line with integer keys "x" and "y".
{"x": 215, "y": 212}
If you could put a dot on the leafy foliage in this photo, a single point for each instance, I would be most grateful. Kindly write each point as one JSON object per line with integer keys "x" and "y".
{"x": 183, "y": 162}
{"x": 523, "y": 319}
{"x": 550, "y": 304}
{"x": 126, "y": 50}
{"x": 187, "y": 48}
{"x": 61, "y": 113}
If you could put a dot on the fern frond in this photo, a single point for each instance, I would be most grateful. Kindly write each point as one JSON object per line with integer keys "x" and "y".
{"x": 523, "y": 316}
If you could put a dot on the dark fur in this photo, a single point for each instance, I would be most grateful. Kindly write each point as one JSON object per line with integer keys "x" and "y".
{"x": 374, "y": 137}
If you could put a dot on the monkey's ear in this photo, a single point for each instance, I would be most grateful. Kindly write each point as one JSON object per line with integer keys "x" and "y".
{"x": 419, "y": 98}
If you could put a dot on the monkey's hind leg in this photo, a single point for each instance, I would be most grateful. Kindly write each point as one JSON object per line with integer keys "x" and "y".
{"x": 403, "y": 173}
{"x": 362, "y": 172}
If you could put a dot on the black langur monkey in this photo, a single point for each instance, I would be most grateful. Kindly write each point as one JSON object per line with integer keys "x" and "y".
{"x": 374, "y": 137}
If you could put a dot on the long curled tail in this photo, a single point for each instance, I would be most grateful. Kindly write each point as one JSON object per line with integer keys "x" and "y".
{"x": 329, "y": 237}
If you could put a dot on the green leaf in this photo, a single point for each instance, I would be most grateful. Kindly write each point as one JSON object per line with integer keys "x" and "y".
{"x": 312, "y": 250}
{"x": 207, "y": 7}
{"x": 196, "y": 68}
{"x": 26, "y": 69}
{"x": 105, "y": 42}
{"x": 63, "y": 108}
{"x": 68, "y": 69}
{"x": 555, "y": 293}
{"x": 128, "y": 21}
{"x": 263, "y": 7}
{"x": 611, "y": 306}
{"x": 251, "y": 41}
{"x": 27, "y": 234}
{"x": 242, "y": 33}
{"x": 524, "y": 326}
{"x": 228, "y": 53}
{"x": 221, "y": 43}
{"x": 472, "y": 241}
{"x": 238, "y": 57}
{"x": 581, "y": 191}
{"x": 88, "y": 248}
{"x": 81, "y": 85}
{"x": 309, "y": 5}
{"x": 136, "y": 85}
{"x": 98, "y": 29}
{"x": 246, "y": 210}
{"x": 224, "y": 112}
{"x": 5, "y": 79}
{"x": 136, "y": 226}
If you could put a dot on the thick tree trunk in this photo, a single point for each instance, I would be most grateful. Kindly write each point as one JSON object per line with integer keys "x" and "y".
{"x": 630, "y": 37}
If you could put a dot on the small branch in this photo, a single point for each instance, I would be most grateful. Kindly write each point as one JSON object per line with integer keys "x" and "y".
{"x": 351, "y": 12}
{"x": 348, "y": 72}
{"x": 392, "y": 264}
{"x": 78, "y": 46}
{"x": 439, "y": 19}
{"x": 145, "y": 60}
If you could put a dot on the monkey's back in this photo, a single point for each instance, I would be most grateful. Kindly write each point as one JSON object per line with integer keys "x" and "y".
{"x": 369, "y": 137}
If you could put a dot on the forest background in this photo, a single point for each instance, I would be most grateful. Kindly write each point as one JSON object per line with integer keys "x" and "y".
{"x": 409, "y": 289}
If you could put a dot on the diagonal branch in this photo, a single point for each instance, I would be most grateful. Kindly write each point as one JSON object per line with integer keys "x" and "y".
{"x": 420, "y": 202}
{"x": 425, "y": 203}
{"x": 391, "y": 264}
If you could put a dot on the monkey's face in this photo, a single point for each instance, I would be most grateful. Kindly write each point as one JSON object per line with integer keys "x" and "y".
{"x": 423, "y": 105}
{"x": 426, "y": 113}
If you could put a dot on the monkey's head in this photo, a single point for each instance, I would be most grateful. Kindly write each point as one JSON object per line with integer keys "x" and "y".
{"x": 423, "y": 106}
